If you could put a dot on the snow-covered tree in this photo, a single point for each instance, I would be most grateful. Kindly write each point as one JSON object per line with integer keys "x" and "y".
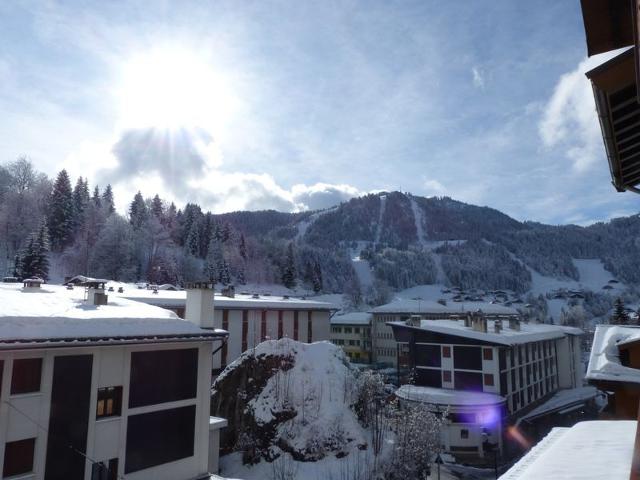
{"x": 620, "y": 315}
{"x": 107, "y": 199}
{"x": 61, "y": 212}
{"x": 289, "y": 269}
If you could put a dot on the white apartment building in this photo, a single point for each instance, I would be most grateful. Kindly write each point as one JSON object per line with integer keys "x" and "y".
{"x": 250, "y": 319}
{"x": 94, "y": 387}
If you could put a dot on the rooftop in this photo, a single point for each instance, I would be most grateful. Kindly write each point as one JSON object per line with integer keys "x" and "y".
{"x": 169, "y": 298}
{"x": 353, "y": 318}
{"x": 564, "y": 401}
{"x": 529, "y": 332}
{"x": 452, "y": 308}
{"x": 53, "y": 314}
{"x": 443, "y": 396}
{"x": 604, "y": 450}
{"x": 604, "y": 361}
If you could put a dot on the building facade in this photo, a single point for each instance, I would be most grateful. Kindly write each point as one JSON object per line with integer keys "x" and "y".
{"x": 518, "y": 365}
{"x": 384, "y": 347}
{"x": 352, "y": 332}
{"x": 250, "y": 319}
{"x": 102, "y": 391}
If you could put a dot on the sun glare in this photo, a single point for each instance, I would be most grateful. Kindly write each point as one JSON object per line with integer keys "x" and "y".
{"x": 173, "y": 89}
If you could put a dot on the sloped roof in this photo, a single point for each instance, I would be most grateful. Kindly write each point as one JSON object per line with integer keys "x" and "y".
{"x": 604, "y": 360}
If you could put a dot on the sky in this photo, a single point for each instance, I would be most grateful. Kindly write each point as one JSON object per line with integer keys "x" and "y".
{"x": 297, "y": 105}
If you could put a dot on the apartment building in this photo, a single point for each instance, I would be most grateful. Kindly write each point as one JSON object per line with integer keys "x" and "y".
{"x": 384, "y": 343}
{"x": 249, "y": 319}
{"x": 93, "y": 387}
{"x": 352, "y": 332}
{"x": 488, "y": 373}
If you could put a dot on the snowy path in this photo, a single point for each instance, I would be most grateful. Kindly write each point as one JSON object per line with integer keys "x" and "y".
{"x": 418, "y": 218}
{"x": 383, "y": 204}
{"x": 362, "y": 267}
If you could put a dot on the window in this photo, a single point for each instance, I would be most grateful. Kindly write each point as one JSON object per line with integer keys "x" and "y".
{"x": 347, "y": 329}
{"x": 352, "y": 342}
{"x": 467, "y": 358}
{"x": 109, "y": 402}
{"x": 464, "y": 433}
{"x": 159, "y": 437}
{"x": 446, "y": 352}
{"x": 488, "y": 379}
{"x": 107, "y": 470}
{"x": 160, "y": 376}
{"x": 468, "y": 381}
{"x": 446, "y": 375}
{"x": 356, "y": 330}
{"x": 18, "y": 457}
{"x": 26, "y": 375}
{"x": 427, "y": 355}
{"x": 487, "y": 353}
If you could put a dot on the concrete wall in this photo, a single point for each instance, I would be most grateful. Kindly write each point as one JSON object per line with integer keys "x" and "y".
{"x": 20, "y": 415}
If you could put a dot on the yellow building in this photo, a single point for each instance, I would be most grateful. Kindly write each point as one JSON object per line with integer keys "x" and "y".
{"x": 352, "y": 332}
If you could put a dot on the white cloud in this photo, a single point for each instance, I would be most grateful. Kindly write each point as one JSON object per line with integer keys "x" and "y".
{"x": 478, "y": 77}
{"x": 434, "y": 187}
{"x": 322, "y": 195}
{"x": 569, "y": 121}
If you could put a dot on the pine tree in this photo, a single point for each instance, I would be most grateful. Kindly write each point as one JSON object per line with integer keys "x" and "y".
{"x": 192, "y": 245}
{"x": 61, "y": 212}
{"x": 156, "y": 207}
{"x": 317, "y": 277}
{"x": 107, "y": 199}
{"x": 289, "y": 272}
{"x": 97, "y": 201}
{"x": 137, "y": 211}
{"x": 81, "y": 199}
{"x": 620, "y": 316}
{"x": 34, "y": 260}
{"x": 242, "y": 248}
{"x": 214, "y": 263}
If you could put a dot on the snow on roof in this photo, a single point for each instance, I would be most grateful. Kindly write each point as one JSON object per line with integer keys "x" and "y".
{"x": 562, "y": 399}
{"x": 429, "y": 306}
{"x": 443, "y": 396}
{"x": 54, "y": 312}
{"x": 353, "y": 318}
{"x": 604, "y": 360}
{"x": 168, "y": 298}
{"x": 589, "y": 451}
{"x": 529, "y": 332}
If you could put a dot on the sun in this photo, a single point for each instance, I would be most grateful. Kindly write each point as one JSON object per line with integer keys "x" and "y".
{"x": 173, "y": 88}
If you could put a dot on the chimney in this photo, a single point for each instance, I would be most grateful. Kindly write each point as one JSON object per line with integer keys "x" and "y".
{"x": 468, "y": 320}
{"x": 229, "y": 291}
{"x": 199, "y": 308}
{"x": 514, "y": 324}
{"x": 414, "y": 320}
{"x": 497, "y": 326}
{"x": 479, "y": 322}
{"x": 95, "y": 292}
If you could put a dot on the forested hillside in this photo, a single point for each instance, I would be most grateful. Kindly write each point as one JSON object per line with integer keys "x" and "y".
{"x": 407, "y": 240}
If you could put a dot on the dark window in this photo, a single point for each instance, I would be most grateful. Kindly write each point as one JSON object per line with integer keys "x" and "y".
{"x": 295, "y": 325}
{"x": 521, "y": 397}
{"x": 488, "y": 379}
{"x": 503, "y": 384}
{"x": 428, "y": 355}
{"x": 467, "y": 358}
{"x": 159, "y": 437}
{"x": 446, "y": 375}
{"x": 462, "y": 417}
{"x": 26, "y": 375}
{"x": 502, "y": 357}
{"x": 107, "y": 470}
{"x": 487, "y": 353}
{"x": 245, "y": 329}
{"x": 526, "y": 351}
{"x": 464, "y": 433}
{"x": 280, "y": 325}
{"x": 513, "y": 380}
{"x": 263, "y": 326}
{"x": 446, "y": 352}
{"x": 109, "y": 402}
{"x": 163, "y": 376}
{"x": 428, "y": 377}
{"x": 18, "y": 457}
{"x": 519, "y": 355}
{"x": 520, "y": 371}
{"x": 468, "y": 381}
{"x": 225, "y": 326}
